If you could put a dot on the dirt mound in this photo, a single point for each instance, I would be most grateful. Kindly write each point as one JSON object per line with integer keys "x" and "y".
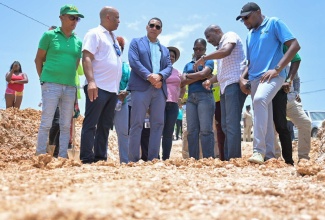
{"x": 18, "y": 136}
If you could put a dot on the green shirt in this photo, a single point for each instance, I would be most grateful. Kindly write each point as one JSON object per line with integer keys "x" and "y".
{"x": 62, "y": 54}
{"x": 80, "y": 72}
{"x": 125, "y": 76}
{"x": 295, "y": 58}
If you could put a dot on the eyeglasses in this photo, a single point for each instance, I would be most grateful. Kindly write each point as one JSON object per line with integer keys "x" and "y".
{"x": 153, "y": 25}
{"x": 73, "y": 18}
{"x": 198, "y": 48}
{"x": 117, "y": 49}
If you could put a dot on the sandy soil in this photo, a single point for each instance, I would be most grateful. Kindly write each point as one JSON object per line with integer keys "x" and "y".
{"x": 47, "y": 188}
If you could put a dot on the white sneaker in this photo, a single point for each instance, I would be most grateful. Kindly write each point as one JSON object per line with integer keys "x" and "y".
{"x": 256, "y": 158}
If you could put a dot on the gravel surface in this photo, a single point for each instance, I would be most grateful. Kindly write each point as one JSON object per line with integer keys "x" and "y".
{"x": 42, "y": 187}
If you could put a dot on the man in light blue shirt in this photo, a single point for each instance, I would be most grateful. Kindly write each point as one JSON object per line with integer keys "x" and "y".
{"x": 265, "y": 70}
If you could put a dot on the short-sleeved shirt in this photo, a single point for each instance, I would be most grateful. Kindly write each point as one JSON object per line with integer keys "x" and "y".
{"x": 296, "y": 58}
{"x": 249, "y": 118}
{"x": 231, "y": 67}
{"x": 173, "y": 86}
{"x": 107, "y": 64}
{"x": 265, "y": 46}
{"x": 62, "y": 54}
{"x": 197, "y": 86}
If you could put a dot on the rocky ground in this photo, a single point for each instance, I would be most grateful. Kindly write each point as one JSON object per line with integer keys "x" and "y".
{"x": 45, "y": 188}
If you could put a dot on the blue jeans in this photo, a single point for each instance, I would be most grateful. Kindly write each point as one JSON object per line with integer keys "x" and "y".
{"x": 54, "y": 95}
{"x": 155, "y": 100}
{"x": 171, "y": 113}
{"x": 99, "y": 116}
{"x": 199, "y": 111}
{"x": 262, "y": 95}
{"x": 231, "y": 102}
{"x": 121, "y": 122}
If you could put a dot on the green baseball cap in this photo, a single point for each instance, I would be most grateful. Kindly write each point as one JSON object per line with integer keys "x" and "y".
{"x": 70, "y": 10}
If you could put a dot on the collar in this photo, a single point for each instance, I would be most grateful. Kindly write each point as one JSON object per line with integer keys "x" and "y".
{"x": 157, "y": 42}
{"x": 101, "y": 28}
{"x": 58, "y": 30}
{"x": 266, "y": 19}
{"x": 220, "y": 42}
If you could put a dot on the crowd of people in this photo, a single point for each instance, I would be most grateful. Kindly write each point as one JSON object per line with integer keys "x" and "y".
{"x": 143, "y": 98}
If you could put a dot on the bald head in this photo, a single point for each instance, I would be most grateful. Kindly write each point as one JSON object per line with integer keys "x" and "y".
{"x": 214, "y": 28}
{"x": 109, "y": 18}
{"x": 213, "y": 34}
{"x": 107, "y": 10}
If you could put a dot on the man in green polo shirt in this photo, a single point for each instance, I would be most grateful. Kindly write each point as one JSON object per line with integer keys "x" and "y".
{"x": 57, "y": 59}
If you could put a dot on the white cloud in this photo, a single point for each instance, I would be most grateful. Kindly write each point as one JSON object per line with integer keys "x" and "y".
{"x": 184, "y": 32}
{"x": 177, "y": 38}
{"x": 133, "y": 25}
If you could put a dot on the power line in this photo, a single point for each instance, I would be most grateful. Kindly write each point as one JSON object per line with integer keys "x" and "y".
{"x": 24, "y": 15}
{"x": 320, "y": 90}
{"x": 311, "y": 80}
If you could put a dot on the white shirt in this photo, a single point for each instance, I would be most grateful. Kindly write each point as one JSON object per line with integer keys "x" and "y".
{"x": 231, "y": 67}
{"x": 107, "y": 65}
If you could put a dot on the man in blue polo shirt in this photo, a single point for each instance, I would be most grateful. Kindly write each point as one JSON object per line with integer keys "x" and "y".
{"x": 265, "y": 70}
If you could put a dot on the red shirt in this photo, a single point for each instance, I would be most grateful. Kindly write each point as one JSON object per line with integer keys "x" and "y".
{"x": 15, "y": 86}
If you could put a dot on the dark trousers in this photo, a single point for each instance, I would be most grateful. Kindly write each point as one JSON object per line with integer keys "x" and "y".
{"x": 290, "y": 128}
{"x": 54, "y": 134}
{"x": 279, "y": 103}
{"x": 220, "y": 134}
{"x": 99, "y": 116}
{"x": 179, "y": 129}
{"x": 145, "y": 134}
{"x": 171, "y": 112}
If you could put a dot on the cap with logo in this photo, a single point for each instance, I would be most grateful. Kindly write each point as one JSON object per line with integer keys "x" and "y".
{"x": 70, "y": 10}
{"x": 247, "y": 9}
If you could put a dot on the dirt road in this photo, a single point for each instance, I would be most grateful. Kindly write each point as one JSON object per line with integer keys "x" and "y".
{"x": 45, "y": 188}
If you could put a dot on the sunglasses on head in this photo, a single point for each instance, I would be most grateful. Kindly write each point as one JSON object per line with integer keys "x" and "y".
{"x": 72, "y": 18}
{"x": 153, "y": 25}
{"x": 117, "y": 49}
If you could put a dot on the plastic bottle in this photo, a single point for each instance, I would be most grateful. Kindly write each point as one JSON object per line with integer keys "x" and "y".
{"x": 118, "y": 106}
{"x": 146, "y": 121}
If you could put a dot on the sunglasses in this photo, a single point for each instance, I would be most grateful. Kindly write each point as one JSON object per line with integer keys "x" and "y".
{"x": 153, "y": 25}
{"x": 246, "y": 17}
{"x": 73, "y": 18}
{"x": 198, "y": 48}
{"x": 117, "y": 49}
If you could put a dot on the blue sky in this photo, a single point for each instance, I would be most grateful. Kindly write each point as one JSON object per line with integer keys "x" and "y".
{"x": 183, "y": 22}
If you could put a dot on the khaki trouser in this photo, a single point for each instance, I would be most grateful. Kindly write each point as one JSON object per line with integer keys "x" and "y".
{"x": 299, "y": 118}
{"x": 185, "y": 153}
{"x": 247, "y": 133}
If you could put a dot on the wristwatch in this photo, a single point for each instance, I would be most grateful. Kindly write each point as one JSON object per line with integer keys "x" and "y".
{"x": 289, "y": 81}
{"x": 203, "y": 57}
{"x": 277, "y": 68}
